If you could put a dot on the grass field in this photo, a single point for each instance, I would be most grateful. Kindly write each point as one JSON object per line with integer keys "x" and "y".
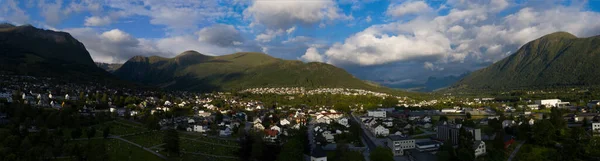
{"x": 147, "y": 139}
{"x": 120, "y": 151}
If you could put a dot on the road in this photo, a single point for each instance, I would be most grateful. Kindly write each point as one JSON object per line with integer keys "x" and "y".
{"x": 514, "y": 152}
{"x": 366, "y": 135}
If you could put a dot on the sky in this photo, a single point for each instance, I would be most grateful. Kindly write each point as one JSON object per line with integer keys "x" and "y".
{"x": 387, "y": 41}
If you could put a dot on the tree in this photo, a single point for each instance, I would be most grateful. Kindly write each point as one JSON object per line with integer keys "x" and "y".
{"x": 106, "y": 132}
{"x": 543, "y": 132}
{"x": 171, "y": 141}
{"x": 76, "y": 133}
{"x": 468, "y": 115}
{"x": 219, "y": 117}
{"x": 90, "y": 132}
{"x": 291, "y": 152}
{"x": 382, "y": 154}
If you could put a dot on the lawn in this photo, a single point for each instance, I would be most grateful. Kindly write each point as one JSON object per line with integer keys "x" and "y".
{"x": 195, "y": 157}
{"x": 200, "y": 147}
{"x": 147, "y": 139}
{"x": 120, "y": 129}
{"x": 122, "y": 151}
{"x": 208, "y": 139}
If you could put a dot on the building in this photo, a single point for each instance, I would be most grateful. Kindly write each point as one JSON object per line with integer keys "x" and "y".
{"x": 427, "y": 146}
{"x": 479, "y": 147}
{"x": 399, "y": 144}
{"x": 548, "y": 102}
{"x": 317, "y": 154}
{"x": 381, "y": 131}
{"x": 596, "y": 127}
{"x": 451, "y": 132}
{"x": 376, "y": 113}
{"x": 593, "y": 104}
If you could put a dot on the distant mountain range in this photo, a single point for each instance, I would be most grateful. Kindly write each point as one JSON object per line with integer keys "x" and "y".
{"x": 555, "y": 60}
{"x": 109, "y": 67}
{"x": 432, "y": 83}
{"x": 191, "y": 70}
{"x": 27, "y": 50}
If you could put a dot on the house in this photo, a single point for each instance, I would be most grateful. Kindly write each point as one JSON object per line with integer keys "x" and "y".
{"x": 596, "y": 127}
{"x": 376, "y": 113}
{"x": 258, "y": 127}
{"x": 593, "y": 104}
{"x": 531, "y": 122}
{"x": 323, "y": 119}
{"x": 381, "y": 131}
{"x": 508, "y": 123}
{"x": 343, "y": 121}
{"x": 399, "y": 144}
{"x": 284, "y": 122}
{"x": 427, "y": 146}
{"x": 328, "y": 136}
{"x": 276, "y": 128}
{"x": 271, "y": 135}
{"x": 197, "y": 128}
{"x": 225, "y": 132}
{"x": 479, "y": 147}
{"x": 318, "y": 154}
{"x": 534, "y": 107}
{"x": 548, "y": 102}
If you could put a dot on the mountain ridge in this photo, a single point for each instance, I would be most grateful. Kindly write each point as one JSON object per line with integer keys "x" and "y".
{"x": 235, "y": 71}
{"x": 555, "y": 60}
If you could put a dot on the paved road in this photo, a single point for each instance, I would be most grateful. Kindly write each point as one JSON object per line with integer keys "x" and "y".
{"x": 514, "y": 152}
{"x": 372, "y": 144}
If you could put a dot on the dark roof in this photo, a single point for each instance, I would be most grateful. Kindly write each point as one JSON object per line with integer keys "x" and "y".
{"x": 318, "y": 152}
{"x": 476, "y": 144}
{"x": 427, "y": 143}
{"x": 397, "y": 137}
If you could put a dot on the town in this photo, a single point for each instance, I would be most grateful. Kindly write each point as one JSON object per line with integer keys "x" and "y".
{"x": 227, "y": 126}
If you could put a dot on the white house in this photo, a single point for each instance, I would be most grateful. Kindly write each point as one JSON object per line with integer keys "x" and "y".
{"x": 531, "y": 122}
{"x": 258, "y": 127}
{"x": 284, "y": 122}
{"x": 5, "y": 95}
{"x": 376, "y": 113}
{"x": 534, "y": 107}
{"x": 225, "y": 132}
{"x": 323, "y": 119}
{"x": 399, "y": 144}
{"x": 479, "y": 147}
{"x": 276, "y": 128}
{"x": 191, "y": 121}
{"x": 548, "y": 102}
{"x": 343, "y": 121}
{"x": 380, "y": 130}
{"x": 197, "y": 128}
{"x": 596, "y": 127}
{"x": 328, "y": 136}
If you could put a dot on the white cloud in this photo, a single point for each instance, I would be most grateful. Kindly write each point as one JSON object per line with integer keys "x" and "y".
{"x": 290, "y": 30}
{"x": 118, "y": 46}
{"x": 97, "y": 21}
{"x": 297, "y": 39}
{"x": 368, "y": 19}
{"x": 285, "y": 14}
{"x": 312, "y": 55}
{"x": 408, "y": 8}
{"x": 221, "y": 35}
{"x": 268, "y": 35}
{"x": 11, "y": 12}
{"x": 472, "y": 33}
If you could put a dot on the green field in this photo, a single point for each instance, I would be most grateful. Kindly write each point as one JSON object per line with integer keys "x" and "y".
{"x": 121, "y": 151}
{"x": 147, "y": 139}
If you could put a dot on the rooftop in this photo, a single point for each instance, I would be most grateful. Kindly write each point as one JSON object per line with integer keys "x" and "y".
{"x": 398, "y": 137}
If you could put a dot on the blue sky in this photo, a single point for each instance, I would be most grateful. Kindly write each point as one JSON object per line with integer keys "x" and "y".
{"x": 387, "y": 41}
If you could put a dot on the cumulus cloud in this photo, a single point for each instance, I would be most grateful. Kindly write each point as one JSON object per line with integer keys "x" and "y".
{"x": 268, "y": 35}
{"x": 312, "y": 55}
{"x": 285, "y": 14}
{"x": 118, "y": 46}
{"x": 471, "y": 32}
{"x": 407, "y": 8}
{"x": 97, "y": 21}
{"x": 221, "y": 35}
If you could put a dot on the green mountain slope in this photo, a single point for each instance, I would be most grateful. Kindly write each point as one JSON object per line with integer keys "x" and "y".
{"x": 26, "y": 50}
{"x": 193, "y": 71}
{"x": 555, "y": 60}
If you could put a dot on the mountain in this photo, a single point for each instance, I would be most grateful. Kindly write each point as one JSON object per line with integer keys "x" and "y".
{"x": 432, "y": 83}
{"x": 26, "y": 50}
{"x": 556, "y": 60}
{"x": 109, "y": 67}
{"x": 191, "y": 70}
